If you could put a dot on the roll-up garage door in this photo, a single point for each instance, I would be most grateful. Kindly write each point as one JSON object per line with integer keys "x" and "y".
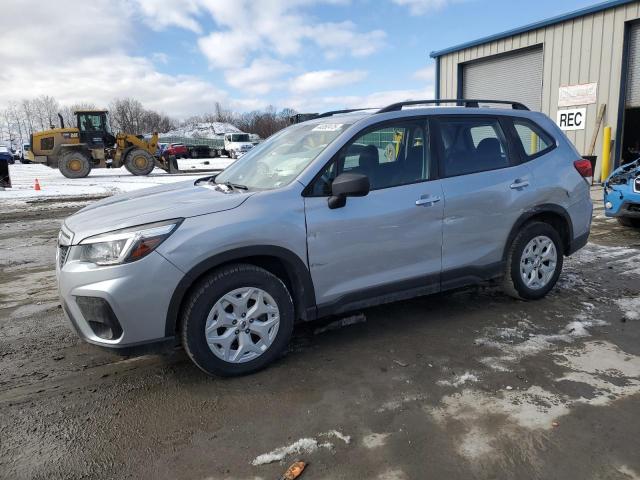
{"x": 515, "y": 76}
{"x": 633, "y": 79}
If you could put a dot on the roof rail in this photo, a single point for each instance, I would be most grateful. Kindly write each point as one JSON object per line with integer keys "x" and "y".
{"x": 462, "y": 102}
{"x": 337, "y": 112}
{"x": 302, "y": 117}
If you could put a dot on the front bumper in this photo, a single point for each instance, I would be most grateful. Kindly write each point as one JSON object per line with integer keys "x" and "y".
{"x": 133, "y": 298}
{"x": 621, "y": 201}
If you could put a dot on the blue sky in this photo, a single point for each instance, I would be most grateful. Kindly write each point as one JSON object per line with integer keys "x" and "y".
{"x": 180, "y": 56}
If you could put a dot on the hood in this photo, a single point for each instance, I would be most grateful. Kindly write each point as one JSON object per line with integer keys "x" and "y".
{"x": 176, "y": 200}
{"x": 624, "y": 174}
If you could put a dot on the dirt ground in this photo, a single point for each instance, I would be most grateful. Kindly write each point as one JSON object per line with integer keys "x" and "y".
{"x": 470, "y": 384}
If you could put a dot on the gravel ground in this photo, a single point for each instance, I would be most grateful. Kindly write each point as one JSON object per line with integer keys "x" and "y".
{"x": 470, "y": 384}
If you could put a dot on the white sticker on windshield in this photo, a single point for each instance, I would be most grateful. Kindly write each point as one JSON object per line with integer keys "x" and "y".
{"x": 327, "y": 127}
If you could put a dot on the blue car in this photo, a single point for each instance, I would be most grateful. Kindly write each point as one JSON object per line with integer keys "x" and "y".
{"x": 6, "y": 154}
{"x": 622, "y": 194}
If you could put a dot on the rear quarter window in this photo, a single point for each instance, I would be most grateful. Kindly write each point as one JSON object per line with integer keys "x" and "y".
{"x": 533, "y": 140}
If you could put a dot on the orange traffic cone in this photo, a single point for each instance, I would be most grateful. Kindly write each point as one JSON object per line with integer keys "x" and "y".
{"x": 37, "y": 186}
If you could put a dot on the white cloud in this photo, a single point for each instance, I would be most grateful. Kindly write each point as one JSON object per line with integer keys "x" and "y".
{"x": 159, "y": 14}
{"x": 33, "y": 30}
{"x": 335, "y": 37}
{"x": 324, "y": 79}
{"x": 420, "y": 7}
{"x": 244, "y": 28}
{"x": 160, "y": 57}
{"x": 426, "y": 74}
{"x": 260, "y": 77}
{"x": 373, "y": 100}
{"x": 99, "y": 79}
{"x": 228, "y": 49}
{"x": 76, "y": 51}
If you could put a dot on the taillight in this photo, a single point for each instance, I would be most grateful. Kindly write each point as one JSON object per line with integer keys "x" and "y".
{"x": 584, "y": 168}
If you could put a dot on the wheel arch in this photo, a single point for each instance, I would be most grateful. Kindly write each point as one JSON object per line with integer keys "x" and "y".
{"x": 280, "y": 261}
{"x": 554, "y": 215}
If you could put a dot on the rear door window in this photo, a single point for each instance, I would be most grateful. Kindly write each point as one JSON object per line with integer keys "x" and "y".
{"x": 471, "y": 145}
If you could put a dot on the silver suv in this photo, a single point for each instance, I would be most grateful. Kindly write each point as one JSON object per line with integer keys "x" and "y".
{"x": 338, "y": 213}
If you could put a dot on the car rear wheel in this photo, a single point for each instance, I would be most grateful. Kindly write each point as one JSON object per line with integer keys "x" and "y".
{"x": 534, "y": 262}
{"x": 629, "y": 222}
{"x": 238, "y": 319}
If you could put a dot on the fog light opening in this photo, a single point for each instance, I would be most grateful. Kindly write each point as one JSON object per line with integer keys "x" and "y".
{"x": 100, "y": 317}
{"x": 608, "y": 205}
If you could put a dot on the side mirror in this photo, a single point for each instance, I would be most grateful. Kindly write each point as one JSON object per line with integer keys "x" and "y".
{"x": 348, "y": 185}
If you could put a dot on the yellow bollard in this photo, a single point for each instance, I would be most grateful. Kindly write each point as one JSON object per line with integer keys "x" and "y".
{"x": 606, "y": 154}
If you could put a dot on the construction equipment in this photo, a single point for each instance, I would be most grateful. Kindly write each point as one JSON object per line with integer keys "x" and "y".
{"x": 76, "y": 150}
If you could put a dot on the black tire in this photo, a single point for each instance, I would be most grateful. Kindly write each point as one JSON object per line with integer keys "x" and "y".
{"x": 514, "y": 285}
{"x": 139, "y": 162}
{"x": 629, "y": 222}
{"x": 74, "y": 164}
{"x": 204, "y": 296}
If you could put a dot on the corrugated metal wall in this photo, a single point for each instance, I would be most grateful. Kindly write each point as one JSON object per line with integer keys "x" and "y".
{"x": 583, "y": 50}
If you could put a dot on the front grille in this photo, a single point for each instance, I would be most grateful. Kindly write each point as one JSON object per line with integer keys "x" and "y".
{"x": 63, "y": 251}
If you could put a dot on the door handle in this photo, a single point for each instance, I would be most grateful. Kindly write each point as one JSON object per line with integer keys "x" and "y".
{"x": 427, "y": 201}
{"x": 519, "y": 184}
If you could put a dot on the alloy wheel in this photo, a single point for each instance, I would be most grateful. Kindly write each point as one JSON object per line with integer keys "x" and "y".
{"x": 538, "y": 262}
{"x": 242, "y": 324}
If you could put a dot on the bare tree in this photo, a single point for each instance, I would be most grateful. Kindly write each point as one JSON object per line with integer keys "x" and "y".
{"x": 46, "y": 109}
{"x": 129, "y": 115}
{"x": 264, "y": 123}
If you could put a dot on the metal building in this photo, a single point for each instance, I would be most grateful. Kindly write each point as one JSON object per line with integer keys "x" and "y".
{"x": 567, "y": 67}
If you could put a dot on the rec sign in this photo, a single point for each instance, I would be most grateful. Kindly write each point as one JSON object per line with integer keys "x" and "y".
{"x": 572, "y": 119}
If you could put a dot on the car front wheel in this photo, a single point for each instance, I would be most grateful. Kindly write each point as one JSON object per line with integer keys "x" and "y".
{"x": 238, "y": 319}
{"x": 534, "y": 262}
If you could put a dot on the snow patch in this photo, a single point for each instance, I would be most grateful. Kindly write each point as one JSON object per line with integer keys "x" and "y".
{"x": 375, "y": 440}
{"x": 397, "y": 404}
{"x": 336, "y": 434}
{"x": 392, "y": 474}
{"x": 482, "y": 414}
{"x": 100, "y": 182}
{"x": 475, "y": 444}
{"x": 202, "y": 130}
{"x": 623, "y": 259}
{"x": 536, "y": 343}
{"x": 304, "y": 445}
{"x": 458, "y": 380}
{"x": 630, "y": 306}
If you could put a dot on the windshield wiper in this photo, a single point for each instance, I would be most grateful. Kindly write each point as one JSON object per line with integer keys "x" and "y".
{"x": 235, "y": 185}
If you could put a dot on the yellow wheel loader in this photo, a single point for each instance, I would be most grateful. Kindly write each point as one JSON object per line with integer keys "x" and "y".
{"x": 76, "y": 150}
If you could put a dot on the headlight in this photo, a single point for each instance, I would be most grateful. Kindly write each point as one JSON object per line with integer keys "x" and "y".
{"x": 123, "y": 246}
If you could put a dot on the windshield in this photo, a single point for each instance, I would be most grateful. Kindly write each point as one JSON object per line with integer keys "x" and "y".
{"x": 277, "y": 161}
{"x": 239, "y": 137}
